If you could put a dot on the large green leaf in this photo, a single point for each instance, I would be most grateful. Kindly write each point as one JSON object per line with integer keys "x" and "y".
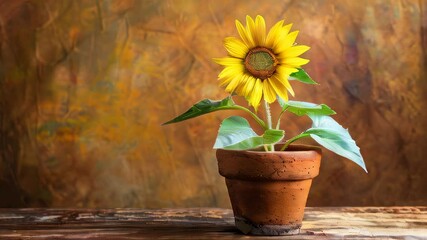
{"x": 235, "y": 133}
{"x": 302, "y": 76}
{"x": 305, "y": 108}
{"x": 203, "y": 107}
{"x": 331, "y": 135}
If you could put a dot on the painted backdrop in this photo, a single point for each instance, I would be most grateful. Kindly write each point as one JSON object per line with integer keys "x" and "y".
{"x": 85, "y": 85}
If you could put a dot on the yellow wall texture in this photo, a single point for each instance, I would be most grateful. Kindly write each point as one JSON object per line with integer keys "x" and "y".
{"x": 85, "y": 86}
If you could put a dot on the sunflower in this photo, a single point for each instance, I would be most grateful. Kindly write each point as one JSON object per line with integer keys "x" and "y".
{"x": 259, "y": 64}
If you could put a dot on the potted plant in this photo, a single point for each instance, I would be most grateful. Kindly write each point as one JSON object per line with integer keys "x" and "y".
{"x": 268, "y": 179}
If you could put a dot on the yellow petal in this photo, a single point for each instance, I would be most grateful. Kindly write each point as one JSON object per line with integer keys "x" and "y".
{"x": 234, "y": 83}
{"x": 279, "y": 88}
{"x": 250, "y": 82}
{"x": 294, "y": 51}
{"x": 246, "y": 37}
{"x": 283, "y": 32}
{"x": 282, "y": 75}
{"x": 256, "y": 95}
{"x": 283, "y": 71}
{"x": 286, "y": 42}
{"x": 227, "y": 61}
{"x": 230, "y": 71}
{"x": 288, "y": 86}
{"x": 236, "y": 47}
{"x": 243, "y": 80}
{"x": 287, "y": 28}
{"x": 225, "y": 81}
{"x": 259, "y": 31}
{"x": 273, "y": 34}
{"x": 269, "y": 94}
{"x": 250, "y": 29}
{"x": 295, "y": 61}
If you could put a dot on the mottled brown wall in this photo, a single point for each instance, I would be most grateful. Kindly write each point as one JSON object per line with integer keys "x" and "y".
{"x": 85, "y": 86}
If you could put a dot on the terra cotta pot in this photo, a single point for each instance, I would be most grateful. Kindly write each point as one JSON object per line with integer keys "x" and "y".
{"x": 269, "y": 190}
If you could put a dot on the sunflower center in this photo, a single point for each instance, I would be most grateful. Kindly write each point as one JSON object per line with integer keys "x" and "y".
{"x": 261, "y": 62}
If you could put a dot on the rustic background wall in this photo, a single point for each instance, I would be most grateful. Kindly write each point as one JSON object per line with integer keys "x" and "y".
{"x": 85, "y": 85}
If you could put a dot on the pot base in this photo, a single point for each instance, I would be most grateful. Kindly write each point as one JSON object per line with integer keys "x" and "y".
{"x": 248, "y": 227}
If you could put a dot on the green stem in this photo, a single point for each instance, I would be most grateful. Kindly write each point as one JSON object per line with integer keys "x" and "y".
{"x": 269, "y": 122}
{"x": 293, "y": 140}
{"x": 268, "y": 114}
{"x": 265, "y": 148}
{"x": 253, "y": 115}
{"x": 280, "y": 117}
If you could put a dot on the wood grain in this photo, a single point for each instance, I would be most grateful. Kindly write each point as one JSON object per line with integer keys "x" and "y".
{"x": 85, "y": 86}
{"x": 207, "y": 223}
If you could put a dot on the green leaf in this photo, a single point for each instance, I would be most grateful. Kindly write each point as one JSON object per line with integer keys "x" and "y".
{"x": 235, "y": 133}
{"x": 302, "y": 76}
{"x": 305, "y": 108}
{"x": 203, "y": 107}
{"x": 331, "y": 135}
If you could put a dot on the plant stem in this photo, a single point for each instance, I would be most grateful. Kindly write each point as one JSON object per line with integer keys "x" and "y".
{"x": 293, "y": 140}
{"x": 268, "y": 114}
{"x": 265, "y": 148}
{"x": 253, "y": 115}
{"x": 269, "y": 122}
{"x": 280, "y": 117}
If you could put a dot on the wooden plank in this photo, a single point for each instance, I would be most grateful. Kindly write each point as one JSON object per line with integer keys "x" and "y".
{"x": 206, "y": 223}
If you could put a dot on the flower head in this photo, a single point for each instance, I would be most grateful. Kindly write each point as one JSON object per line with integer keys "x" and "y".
{"x": 259, "y": 64}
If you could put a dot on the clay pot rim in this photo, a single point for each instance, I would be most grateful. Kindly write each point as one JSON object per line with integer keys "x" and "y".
{"x": 303, "y": 162}
{"x": 291, "y": 148}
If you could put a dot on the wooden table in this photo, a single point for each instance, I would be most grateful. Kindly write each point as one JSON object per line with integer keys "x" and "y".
{"x": 207, "y": 223}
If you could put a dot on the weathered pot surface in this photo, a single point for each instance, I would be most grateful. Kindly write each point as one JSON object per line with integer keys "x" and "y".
{"x": 268, "y": 191}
